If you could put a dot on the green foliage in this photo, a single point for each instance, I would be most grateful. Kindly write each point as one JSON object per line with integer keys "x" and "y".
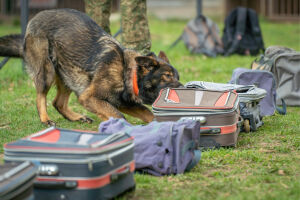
{"x": 264, "y": 165}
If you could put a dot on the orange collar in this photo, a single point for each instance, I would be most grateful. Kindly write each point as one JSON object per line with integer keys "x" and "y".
{"x": 135, "y": 83}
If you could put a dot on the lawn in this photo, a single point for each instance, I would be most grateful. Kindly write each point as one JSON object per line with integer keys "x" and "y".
{"x": 264, "y": 165}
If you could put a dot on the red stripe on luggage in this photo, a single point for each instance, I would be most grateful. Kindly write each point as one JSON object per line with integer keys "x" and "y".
{"x": 173, "y": 96}
{"x": 193, "y": 107}
{"x": 100, "y": 182}
{"x": 222, "y": 100}
{"x": 93, "y": 183}
{"x": 89, "y": 183}
{"x": 7, "y": 146}
{"x": 224, "y": 129}
{"x": 49, "y": 137}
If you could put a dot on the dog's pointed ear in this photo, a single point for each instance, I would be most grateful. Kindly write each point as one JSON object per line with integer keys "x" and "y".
{"x": 152, "y": 54}
{"x": 162, "y": 55}
{"x": 146, "y": 63}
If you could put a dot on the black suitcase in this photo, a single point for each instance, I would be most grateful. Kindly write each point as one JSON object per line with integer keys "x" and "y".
{"x": 16, "y": 180}
{"x": 77, "y": 164}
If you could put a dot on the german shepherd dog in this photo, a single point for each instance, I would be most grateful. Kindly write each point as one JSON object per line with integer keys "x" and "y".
{"x": 67, "y": 48}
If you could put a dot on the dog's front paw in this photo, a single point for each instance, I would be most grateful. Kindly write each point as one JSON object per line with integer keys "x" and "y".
{"x": 86, "y": 120}
{"x": 49, "y": 123}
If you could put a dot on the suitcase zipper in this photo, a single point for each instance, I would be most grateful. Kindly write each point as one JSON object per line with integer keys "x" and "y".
{"x": 109, "y": 139}
{"x": 173, "y": 152}
{"x": 167, "y": 112}
{"x": 89, "y": 161}
{"x": 91, "y": 150}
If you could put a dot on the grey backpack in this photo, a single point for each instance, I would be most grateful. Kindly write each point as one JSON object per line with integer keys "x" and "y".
{"x": 201, "y": 36}
{"x": 284, "y": 63}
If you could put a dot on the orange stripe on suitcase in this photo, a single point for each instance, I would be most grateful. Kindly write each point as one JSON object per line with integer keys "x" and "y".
{"x": 89, "y": 183}
{"x": 50, "y": 137}
{"x": 173, "y": 96}
{"x": 224, "y": 129}
{"x": 222, "y": 100}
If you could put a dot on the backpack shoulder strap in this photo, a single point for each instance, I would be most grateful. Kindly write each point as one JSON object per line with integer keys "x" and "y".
{"x": 241, "y": 21}
{"x": 176, "y": 42}
{"x": 255, "y": 29}
{"x": 240, "y": 29}
{"x": 228, "y": 21}
{"x": 282, "y": 110}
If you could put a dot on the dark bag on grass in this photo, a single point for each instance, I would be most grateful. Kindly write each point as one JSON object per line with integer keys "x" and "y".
{"x": 284, "y": 63}
{"x": 262, "y": 79}
{"x": 242, "y": 33}
{"x": 201, "y": 36}
{"x": 161, "y": 148}
{"x": 16, "y": 180}
{"x": 77, "y": 164}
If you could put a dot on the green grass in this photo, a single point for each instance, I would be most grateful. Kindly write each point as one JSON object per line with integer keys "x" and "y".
{"x": 264, "y": 165}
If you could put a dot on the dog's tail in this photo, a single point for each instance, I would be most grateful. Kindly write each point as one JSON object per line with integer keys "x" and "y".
{"x": 11, "y": 46}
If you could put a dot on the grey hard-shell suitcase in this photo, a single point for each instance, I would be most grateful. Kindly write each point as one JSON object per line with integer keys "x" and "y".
{"x": 16, "y": 180}
{"x": 249, "y": 96}
{"x": 218, "y": 112}
{"x": 77, "y": 164}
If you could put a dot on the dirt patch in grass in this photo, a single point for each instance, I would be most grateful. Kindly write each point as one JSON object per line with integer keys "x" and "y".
{"x": 176, "y": 182}
{"x": 267, "y": 147}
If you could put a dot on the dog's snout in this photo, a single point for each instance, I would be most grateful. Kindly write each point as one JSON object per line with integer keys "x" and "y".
{"x": 177, "y": 85}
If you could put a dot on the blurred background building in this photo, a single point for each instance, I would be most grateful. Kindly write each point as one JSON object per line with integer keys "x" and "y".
{"x": 287, "y": 10}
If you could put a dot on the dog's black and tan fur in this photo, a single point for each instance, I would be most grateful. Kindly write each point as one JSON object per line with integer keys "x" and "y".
{"x": 65, "y": 47}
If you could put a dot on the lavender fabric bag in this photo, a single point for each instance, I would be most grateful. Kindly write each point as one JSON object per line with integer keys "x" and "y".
{"x": 161, "y": 148}
{"x": 262, "y": 79}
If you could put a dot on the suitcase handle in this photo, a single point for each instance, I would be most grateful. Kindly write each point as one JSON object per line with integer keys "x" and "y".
{"x": 55, "y": 184}
{"x": 117, "y": 175}
{"x": 210, "y": 131}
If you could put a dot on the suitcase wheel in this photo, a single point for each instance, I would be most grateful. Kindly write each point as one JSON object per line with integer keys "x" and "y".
{"x": 247, "y": 125}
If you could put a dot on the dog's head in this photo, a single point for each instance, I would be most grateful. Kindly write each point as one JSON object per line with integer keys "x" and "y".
{"x": 154, "y": 74}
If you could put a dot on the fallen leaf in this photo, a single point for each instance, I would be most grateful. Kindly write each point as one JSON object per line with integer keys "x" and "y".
{"x": 281, "y": 172}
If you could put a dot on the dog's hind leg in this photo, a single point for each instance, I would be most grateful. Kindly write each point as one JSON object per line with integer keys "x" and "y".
{"x": 42, "y": 71}
{"x": 61, "y": 104}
